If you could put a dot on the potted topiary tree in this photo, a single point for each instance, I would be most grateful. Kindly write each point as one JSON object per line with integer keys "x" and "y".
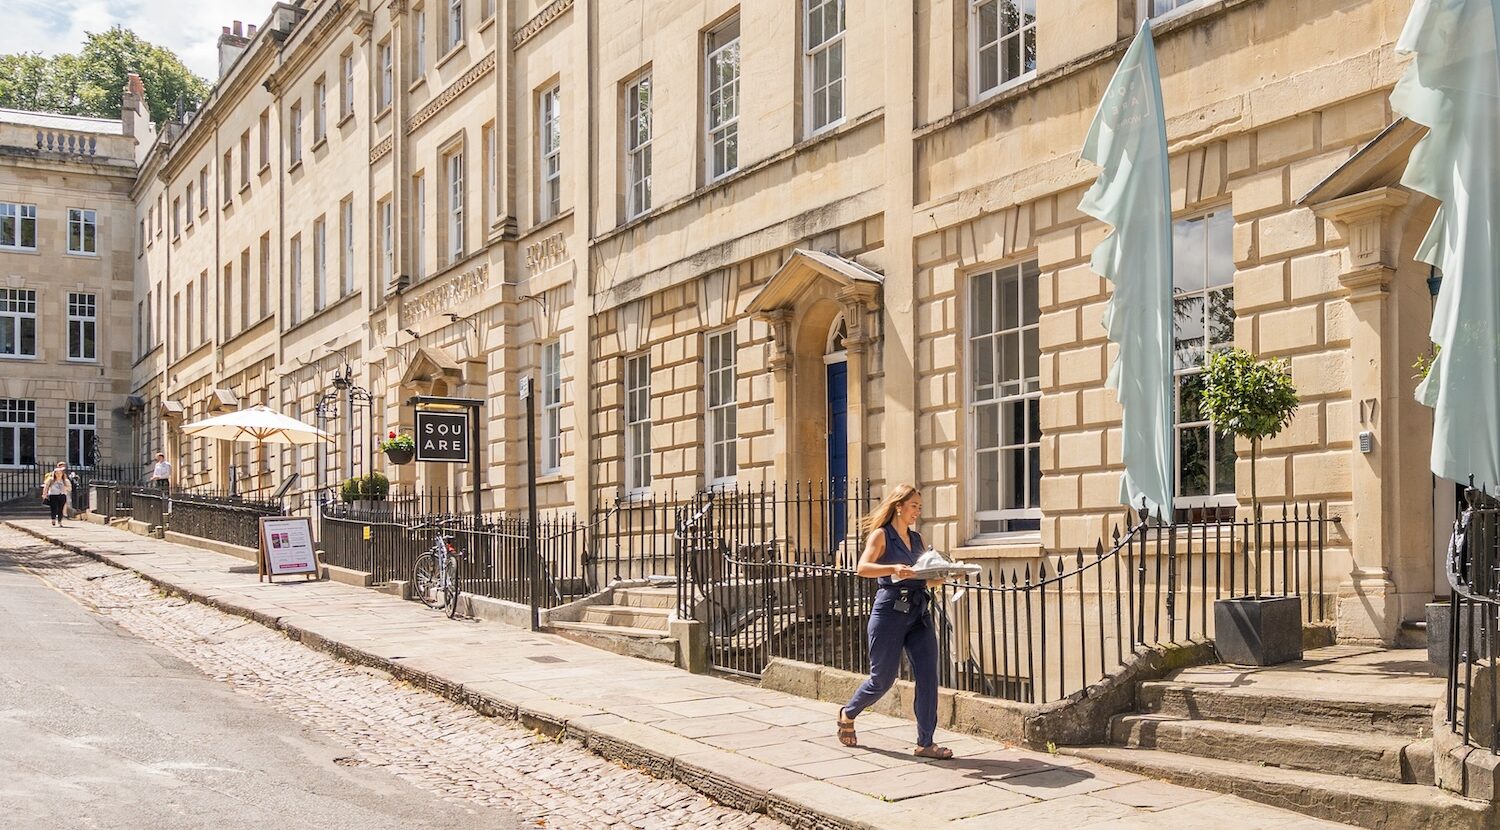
{"x": 399, "y": 448}
{"x": 366, "y": 494}
{"x": 1253, "y": 399}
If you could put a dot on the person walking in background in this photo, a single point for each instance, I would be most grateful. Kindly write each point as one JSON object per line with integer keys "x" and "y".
{"x": 69, "y": 511}
{"x": 901, "y": 619}
{"x": 161, "y": 472}
{"x": 55, "y": 492}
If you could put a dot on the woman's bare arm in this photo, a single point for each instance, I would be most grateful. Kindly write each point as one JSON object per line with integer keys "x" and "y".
{"x": 869, "y": 561}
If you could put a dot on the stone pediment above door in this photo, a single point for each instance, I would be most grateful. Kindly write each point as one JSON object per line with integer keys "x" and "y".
{"x": 430, "y": 365}
{"x": 811, "y": 278}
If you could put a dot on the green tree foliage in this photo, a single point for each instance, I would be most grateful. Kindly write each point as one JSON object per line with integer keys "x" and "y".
{"x": 1248, "y": 398}
{"x": 91, "y": 82}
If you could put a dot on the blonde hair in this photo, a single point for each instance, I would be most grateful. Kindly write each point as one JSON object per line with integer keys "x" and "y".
{"x": 886, "y": 510}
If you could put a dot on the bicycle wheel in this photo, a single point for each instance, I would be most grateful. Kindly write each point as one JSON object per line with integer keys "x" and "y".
{"x": 425, "y": 584}
{"x": 450, "y": 587}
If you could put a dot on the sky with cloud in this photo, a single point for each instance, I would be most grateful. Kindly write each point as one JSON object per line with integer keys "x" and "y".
{"x": 188, "y": 27}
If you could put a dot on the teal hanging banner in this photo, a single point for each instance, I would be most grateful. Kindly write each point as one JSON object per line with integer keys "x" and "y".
{"x": 1128, "y": 140}
{"x": 1453, "y": 87}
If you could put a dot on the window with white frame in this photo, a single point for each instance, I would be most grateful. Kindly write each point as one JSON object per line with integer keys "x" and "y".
{"x": 638, "y": 422}
{"x": 320, "y": 110}
{"x": 265, "y": 275}
{"x": 203, "y": 200}
{"x": 83, "y": 227}
{"x": 320, "y": 263}
{"x": 491, "y": 173}
{"x": 226, "y": 178}
{"x": 823, "y": 62}
{"x": 82, "y": 437}
{"x": 226, "y": 300}
{"x": 453, "y": 31}
{"x": 418, "y": 44}
{"x": 245, "y": 295}
{"x": 638, "y": 146}
{"x": 722, "y": 104}
{"x": 387, "y": 241}
{"x": 549, "y": 134}
{"x": 1004, "y": 399}
{"x": 346, "y": 85}
{"x": 187, "y": 198}
{"x": 294, "y": 278}
{"x": 418, "y": 226}
{"x": 176, "y": 216}
{"x": 552, "y": 407}
{"x": 83, "y": 323}
{"x": 453, "y": 166}
{"x": 17, "y": 322}
{"x": 17, "y": 226}
{"x": 723, "y": 426}
{"x": 346, "y": 247}
{"x": 294, "y": 140}
{"x": 1162, "y": 8}
{"x": 265, "y": 139}
{"x": 383, "y": 91}
{"x": 17, "y": 432}
{"x": 244, "y": 167}
{"x": 1203, "y": 320}
{"x": 1004, "y": 42}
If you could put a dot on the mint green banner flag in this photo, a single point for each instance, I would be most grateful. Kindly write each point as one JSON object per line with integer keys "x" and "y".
{"x": 1453, "y": 87}
{"x": 1128, "y": 140}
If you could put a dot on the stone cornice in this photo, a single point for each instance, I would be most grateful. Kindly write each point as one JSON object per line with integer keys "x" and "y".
{"x": 309, "y": 44}
{"x": 542, "y": 20}
{"x": 379, "y": 151}
{"x": 455, "y": 89}
{"x": 1371, "y": 224}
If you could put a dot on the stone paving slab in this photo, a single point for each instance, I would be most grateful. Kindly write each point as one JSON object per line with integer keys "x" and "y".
{"x": 748, "y": 747}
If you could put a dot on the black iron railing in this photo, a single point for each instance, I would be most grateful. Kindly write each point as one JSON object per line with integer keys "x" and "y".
{"x": 149, "y": 505}
{"x": 221, "y": 516}
{"x": 1473, "y": 690}
{"x": 497, "y": 562}
{"x": 1034, "y": 631}
{"x": 111, "y": 500}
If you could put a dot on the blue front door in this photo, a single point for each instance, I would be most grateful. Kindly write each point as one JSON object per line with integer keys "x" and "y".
{"x": 838, "y": 451}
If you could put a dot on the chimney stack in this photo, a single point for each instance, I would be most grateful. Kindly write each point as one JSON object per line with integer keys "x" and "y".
{"x": 133, "y": 110}
{"x": 232, "y": 44}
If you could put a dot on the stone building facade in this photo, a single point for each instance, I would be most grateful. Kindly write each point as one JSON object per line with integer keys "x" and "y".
{"x": 768, "y": 242}
{"x": 66, "y": 247}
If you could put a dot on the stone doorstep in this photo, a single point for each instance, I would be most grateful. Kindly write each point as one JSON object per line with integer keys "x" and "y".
{"x": 1400, "y": 717}
{"x": 1332, "y": 797}
{"x": 1369, "y": 755}
{"x": 718, "y": 774}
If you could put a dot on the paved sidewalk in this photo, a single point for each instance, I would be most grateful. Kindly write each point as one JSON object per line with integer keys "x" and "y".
{"x": 750, "y": 748}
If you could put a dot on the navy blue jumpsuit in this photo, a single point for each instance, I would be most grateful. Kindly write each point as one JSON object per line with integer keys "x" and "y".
{"x": 892, "y": 631}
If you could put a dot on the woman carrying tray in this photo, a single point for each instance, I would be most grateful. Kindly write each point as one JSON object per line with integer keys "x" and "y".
{"x": 901, "y": 620}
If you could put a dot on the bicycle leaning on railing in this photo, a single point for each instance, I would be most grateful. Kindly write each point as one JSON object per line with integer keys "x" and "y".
{"x": 434, "y": 578}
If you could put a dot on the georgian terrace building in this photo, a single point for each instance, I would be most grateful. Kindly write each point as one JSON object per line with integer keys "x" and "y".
{"x": 66, "y": 228}
{"x": 739, "y": 243}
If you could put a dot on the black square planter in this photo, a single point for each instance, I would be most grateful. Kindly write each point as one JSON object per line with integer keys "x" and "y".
{"x": 1258, "y": 631}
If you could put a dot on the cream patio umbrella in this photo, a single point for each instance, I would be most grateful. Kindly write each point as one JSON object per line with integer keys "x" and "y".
{"x": 259, "y": 424}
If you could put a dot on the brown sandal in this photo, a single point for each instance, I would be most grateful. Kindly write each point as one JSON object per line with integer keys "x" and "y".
{"x": 940, "y": 753}
{"x": 847, "y": 736}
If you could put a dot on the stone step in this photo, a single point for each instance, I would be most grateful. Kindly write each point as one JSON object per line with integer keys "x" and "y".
{"x": 627, "y": 616}
{"x": 647, "y": 644}
{"x": 1375, "y": 756}
{"x": 1357, "y": 801}
{"x": 614, "y": 630}
{"x": 1408, "y": 717}
{"x": 646, "y": 597}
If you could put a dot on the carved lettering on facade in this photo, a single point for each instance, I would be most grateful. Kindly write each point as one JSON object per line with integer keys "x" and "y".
{"x": 454, "y": 90}
{"x": 542, "y": 19}
{"x": 544, "y": 254}
{"x": 449, "y": 294}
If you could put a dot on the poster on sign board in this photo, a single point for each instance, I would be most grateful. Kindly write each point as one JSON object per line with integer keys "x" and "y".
{"x": 286, "y": 546}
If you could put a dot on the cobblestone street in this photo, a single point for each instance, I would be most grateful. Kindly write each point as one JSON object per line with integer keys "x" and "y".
{"x": 421, "y": 738}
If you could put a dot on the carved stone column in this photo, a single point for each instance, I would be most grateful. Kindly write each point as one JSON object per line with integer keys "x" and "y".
{"x": 1372, "y": 223}
{"x": 780, "y": 321}
{"x": 858, "y": 300}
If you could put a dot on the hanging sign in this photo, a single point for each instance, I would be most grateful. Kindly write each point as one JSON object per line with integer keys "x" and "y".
{"x": 286, "y": 546}
{"x": 443, "y": 435}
